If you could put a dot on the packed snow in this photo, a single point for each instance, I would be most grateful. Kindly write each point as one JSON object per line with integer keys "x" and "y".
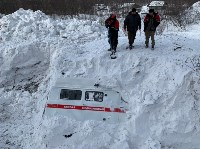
{"x": 161, "y": 86}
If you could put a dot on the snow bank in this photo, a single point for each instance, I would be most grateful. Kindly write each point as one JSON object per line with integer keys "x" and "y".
{"x": 162, "y": 86}
{"x": 192, "y": 15}
{"x": 28, "y": 40}
{"x": 191, "y": 19}
{"x": 36, "y": 25}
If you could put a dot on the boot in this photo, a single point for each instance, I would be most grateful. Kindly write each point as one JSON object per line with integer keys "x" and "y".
{"x": 147, "y": 44}
{"x": 130, "y": 47}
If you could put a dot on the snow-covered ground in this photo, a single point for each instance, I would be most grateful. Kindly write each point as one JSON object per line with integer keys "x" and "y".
{"x": 161, "y": 86}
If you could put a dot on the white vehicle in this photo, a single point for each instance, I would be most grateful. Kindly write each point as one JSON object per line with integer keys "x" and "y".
{"x": 82, "y": 99}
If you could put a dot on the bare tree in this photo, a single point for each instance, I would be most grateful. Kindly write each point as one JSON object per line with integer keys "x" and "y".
{"x": 73, "y": 7}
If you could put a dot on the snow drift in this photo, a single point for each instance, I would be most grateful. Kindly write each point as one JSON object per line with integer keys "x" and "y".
{"x": 162, "y": 86}
{"x": 192, "y": 15}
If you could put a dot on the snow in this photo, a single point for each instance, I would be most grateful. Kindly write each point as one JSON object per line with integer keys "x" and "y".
{"x": 192, "y": 14}
{"x": 161, "y": 86}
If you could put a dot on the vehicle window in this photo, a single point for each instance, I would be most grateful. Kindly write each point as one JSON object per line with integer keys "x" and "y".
{"x": 70, "y": 94}
{"x": 94, "y": 96}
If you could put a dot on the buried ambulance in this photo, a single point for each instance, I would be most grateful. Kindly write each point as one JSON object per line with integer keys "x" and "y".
{"x": 82, "y": 99}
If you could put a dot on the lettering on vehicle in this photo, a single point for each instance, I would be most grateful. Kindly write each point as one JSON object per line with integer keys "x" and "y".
{"x": 89, "y": 108}
{"x": 69, "y": 107}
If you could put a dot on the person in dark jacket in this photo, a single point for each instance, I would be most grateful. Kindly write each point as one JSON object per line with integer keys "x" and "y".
{"x": 113, "y": 27}
{"x": 131, "y": 24}
{"x": 151, "y": 21}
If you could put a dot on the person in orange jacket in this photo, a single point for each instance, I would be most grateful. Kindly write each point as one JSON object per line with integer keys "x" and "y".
{"x": 151, "y": 22}
{"x": 113, "y": 27}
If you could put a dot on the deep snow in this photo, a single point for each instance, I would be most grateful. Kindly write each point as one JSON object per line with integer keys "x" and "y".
{"x": 162, "y": 86}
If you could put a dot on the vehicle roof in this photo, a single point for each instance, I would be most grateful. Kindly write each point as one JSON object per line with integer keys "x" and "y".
{"x": 78, "y": 83}
{"x": 157, "y": 3}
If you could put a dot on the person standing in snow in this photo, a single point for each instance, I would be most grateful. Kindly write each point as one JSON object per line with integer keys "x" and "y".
{"x": 113, "y": 27}
{"x": 151, "y": 21}
{"x": 132, "y": 23}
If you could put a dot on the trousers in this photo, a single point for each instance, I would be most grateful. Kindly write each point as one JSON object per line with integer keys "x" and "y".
{"x": 131, "y": 37}
{"x": 149, "y": 34}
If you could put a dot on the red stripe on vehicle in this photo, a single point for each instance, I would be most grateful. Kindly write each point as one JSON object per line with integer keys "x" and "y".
{"x": 89, "y": 108}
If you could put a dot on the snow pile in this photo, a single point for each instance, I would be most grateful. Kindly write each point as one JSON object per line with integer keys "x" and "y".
{"x": 192, "y": 15}
{"x": 191, "y": 19}
{"x": 144, "y": 11}
{"x": 33, "y": 25}
{"x": 28, "y": 40}
{"x": 162, "y": 86}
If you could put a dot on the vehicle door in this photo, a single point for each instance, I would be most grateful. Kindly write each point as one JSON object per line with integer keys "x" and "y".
{"x": 66, "y": 102}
